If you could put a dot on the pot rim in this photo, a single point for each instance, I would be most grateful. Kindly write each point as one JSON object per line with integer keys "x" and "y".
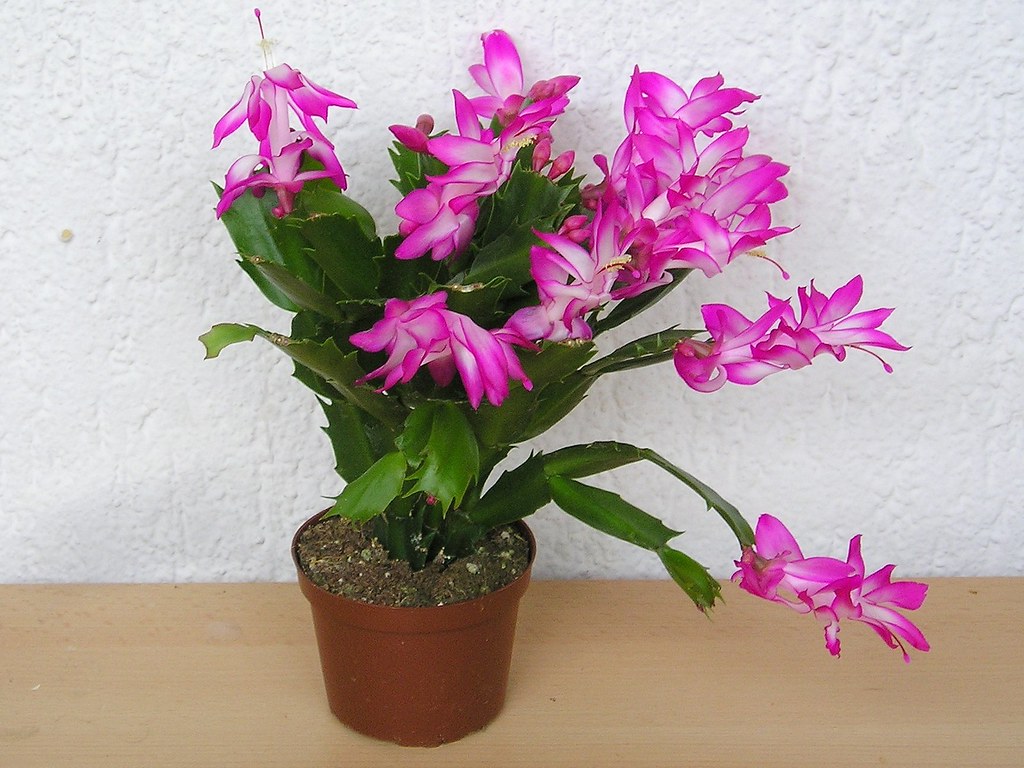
{"x": 473, "y": 609}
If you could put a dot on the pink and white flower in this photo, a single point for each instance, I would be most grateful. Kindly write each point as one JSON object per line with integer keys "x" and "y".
{"x": 501, "y": 78}
{"x": 680, "y": 178}
{"x": 479, "y": 159}
{"x": 266, "y": 104}
{"x": 424, "y": 332}
{"x": 438, "y": 219}
{"x": 744, "y": 351}
{"x": 775, "y": 569}
{"x": 571, "y": 282}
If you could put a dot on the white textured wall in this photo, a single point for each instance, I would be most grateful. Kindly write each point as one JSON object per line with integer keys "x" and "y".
{"x": 124, "y": 456}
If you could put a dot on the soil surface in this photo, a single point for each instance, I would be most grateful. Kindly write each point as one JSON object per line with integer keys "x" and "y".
{"x": 344, "y": 558}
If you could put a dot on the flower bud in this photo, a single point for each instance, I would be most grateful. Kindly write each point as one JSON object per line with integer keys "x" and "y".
{"x": 561, "y": 164}
{"x": 425, "y": 124}
{"x": 541, "y": 154}
{"x": 409, "y": 137}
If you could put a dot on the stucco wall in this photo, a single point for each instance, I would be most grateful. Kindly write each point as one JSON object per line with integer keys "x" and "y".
{"x": 125, "y": 457}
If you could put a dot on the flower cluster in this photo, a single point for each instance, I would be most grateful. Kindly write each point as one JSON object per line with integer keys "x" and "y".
{"x": 744, "y": 351}
{"x": 441, "y": 217}
{"x": 436, "y": 350}
{"x": 265, "y": 104}
{"x": 775, "y": 569}
{"x": 425, "y": 332}
{"x": 679, "y": 194}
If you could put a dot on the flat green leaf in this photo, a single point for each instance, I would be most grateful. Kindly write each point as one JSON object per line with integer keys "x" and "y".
{"x": 576, "y": 461}
{"x": 255, "y": 231}
{"x": 692, "y": 577}
{"x": 341, "y": 371}
{"x": 370, "y": 494}
{"x": 323, "y": 359}
{"x": 732, "y": 517}
{"x": 317, "y": 383}
{"x": 273, "y": 294}
{"x": 480, "y": 301}
{"x": 555, "y": 402}
{"x": 556, "y": 360}
{"x": 593, "y": 458}
{"x": 517, "y": 493}
{"x": 648, "y": 350}
{"x": 322, "y": 196}
{"x": 441, "y": 448}
{"x": 413, "y": 168}
{"x": 415, "y": 435}
{"x": 507, "y": 256}
{"x": 408, "y": 278}
{"x": 610, "y": 513}
{"x": 517, "y": 418}
{"x": 503, "y": 425}
{"x": 346, "y": 255}
{"x": 526, "y": 198}
{"x": 295, "y": 290}
{"x": 224, "y": 335}
{"x": 348, "y": 435}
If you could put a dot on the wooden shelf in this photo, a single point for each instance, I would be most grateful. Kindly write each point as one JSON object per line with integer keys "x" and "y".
{"x": 605, "y": 674}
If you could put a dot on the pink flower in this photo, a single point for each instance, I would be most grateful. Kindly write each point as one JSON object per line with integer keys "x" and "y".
{"x": 703, "y": 109}
{"x": 266, "y": 100}
{"x": 479, "y": 160}
{"x": 729, "y": 355}
{"x": 571, "y": 281}
{"x": 682, "y": 181}
{"x": 438, "y": 218}
{"x": 744, "y": 351}
{"x": 501, "y": 78}
{"x": 425, "y": 332}
{"x": 775, "y": 569}
{"x": 875, "y": 600}
{"x": 826, "y": 325}
{"x": 266, "y": 104}
{"x": 279, "y": 172}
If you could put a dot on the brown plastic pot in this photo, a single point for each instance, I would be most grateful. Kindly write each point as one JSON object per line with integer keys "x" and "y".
{"x": 415, "y": 676}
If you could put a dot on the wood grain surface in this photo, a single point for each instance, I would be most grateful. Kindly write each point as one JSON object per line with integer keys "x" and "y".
{"x": 605, "y": 674}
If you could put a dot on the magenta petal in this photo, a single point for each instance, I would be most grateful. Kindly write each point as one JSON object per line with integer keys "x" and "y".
{"x": 830, "y": 623}
{"x": 486, "y": 106}
{"x": 909, "y": 595}
{"x": 501, "y": 60}
{"x": 842, "y": 302}
{"x": 419, "y": 206}
{"x": 235, "y": 116}
{"x": 431, "y": 236}
{"x": 749, "y": 372}
{"x": 741, "y": 190}
{"x": 822, "y": 570}
{"x": 466, "y": 117}
{"x": 774, "y": 539}
{"x": 410, "y": 137}
{"x": 885, "y": 620}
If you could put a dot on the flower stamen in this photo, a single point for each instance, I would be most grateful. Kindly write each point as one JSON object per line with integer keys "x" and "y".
{"x": 885, "y": 365}
{"x": 759, "y": 254}
{"x": 265, "y": 44}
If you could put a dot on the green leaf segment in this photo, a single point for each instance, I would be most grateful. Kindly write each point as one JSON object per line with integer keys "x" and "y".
{"x": 420, "y": 464}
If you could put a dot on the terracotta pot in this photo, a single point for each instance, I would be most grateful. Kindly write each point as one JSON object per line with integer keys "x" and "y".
{"x": 415, "y": 676}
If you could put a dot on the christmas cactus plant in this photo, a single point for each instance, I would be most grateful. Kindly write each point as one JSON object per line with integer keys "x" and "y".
{"x": 475, "y": 327}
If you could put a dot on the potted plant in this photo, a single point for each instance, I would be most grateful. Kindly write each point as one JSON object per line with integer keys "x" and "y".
{"x": 436, "y": 350}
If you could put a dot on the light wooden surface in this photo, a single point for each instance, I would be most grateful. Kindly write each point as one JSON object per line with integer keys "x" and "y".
{"x": 605, "y": 674}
